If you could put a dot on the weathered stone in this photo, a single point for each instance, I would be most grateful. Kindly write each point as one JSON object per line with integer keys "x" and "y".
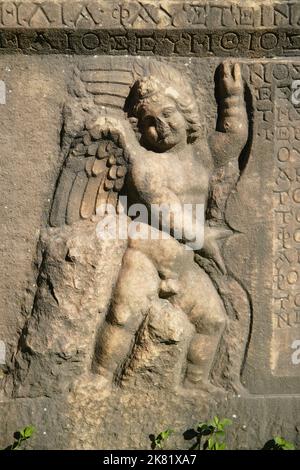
{"x": 145, "y": 104}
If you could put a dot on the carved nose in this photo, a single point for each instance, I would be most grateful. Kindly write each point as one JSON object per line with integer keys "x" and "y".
{"x": 161, "y": 126}
{"x": 160, "y": 121}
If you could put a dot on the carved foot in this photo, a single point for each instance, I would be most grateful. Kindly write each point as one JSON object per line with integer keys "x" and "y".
{"x": 201, "y": 385}
{"x": 88, "y": 386}
{"x": 197, "y": 380}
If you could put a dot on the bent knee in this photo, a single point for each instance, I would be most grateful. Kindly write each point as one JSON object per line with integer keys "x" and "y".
{"x": 212, "y": 322}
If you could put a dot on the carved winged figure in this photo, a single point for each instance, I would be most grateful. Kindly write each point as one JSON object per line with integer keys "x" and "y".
{"x": 158, "y": 154}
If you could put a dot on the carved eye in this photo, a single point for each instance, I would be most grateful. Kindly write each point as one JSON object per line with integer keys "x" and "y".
{"x": 168, "y": 112}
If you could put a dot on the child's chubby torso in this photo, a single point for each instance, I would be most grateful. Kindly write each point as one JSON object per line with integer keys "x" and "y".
{"x": 180, "y": 174}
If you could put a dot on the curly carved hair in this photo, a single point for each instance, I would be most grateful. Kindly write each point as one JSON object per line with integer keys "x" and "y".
{"x": 167, "y": 81}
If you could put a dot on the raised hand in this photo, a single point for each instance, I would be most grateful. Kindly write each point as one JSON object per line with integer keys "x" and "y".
{"x": 232, "y": 125}
{"x": 231, "y": 83}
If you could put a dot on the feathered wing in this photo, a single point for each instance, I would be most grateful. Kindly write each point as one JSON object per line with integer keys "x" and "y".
{"x": 91, "y": 178}
{"x": 95, "y": 165}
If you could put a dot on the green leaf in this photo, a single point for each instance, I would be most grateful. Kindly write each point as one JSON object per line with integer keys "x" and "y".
{"x": 199, "y": 425}
{"x": 214, "y": 423}
{"x": 162, "y": 436}
{"x": 157, "y": 442}
{"x": 210, "y": 443}
{"x": 202, "y": 427}
{"x": 279, "y": 441}
{"x": 220, "y": 434}
{"x": 209, "y": 430}
{"x": 289, "y": 446}
{"x": 216, "y": 420}
{"x": 221, "y": 446}
{"x": 226, "y": 422}
{"x": 205, "y": 429}
{"x": 283, "y": 444}
{"x": 28, "y": 431}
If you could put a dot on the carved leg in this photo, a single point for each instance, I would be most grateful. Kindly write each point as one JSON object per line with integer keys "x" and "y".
{"x": 202, "y": 351}
{"x": 209, "y": 317}
{"x": 189, "y": 288}
{"x": 137, "y": 286}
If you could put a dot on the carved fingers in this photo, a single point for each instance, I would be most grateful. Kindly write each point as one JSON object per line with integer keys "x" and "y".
{"x": 231, "y": 79}
{"x": 120, "y": 129}
{"x": 103, "y": 126}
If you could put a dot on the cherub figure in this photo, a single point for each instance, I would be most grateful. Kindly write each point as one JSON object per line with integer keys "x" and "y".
{"x": 170, "y": 164}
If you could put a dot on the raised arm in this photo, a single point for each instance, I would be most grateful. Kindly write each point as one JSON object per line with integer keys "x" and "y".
{"x": 232, "y": 127}
{"x": 121, "y": 128}
{"x": 226, "y": 144}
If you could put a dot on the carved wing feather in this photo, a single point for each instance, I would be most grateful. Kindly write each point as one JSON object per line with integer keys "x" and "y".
{"x": 88, "y": 204}
{"x": 74, "y": 201}
{"x": 92, "y": 177}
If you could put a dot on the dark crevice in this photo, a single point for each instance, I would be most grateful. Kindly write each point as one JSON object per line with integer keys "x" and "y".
{"x": 121, "y": 371}
{"x": 51, "y": 289}
{"x": 230, "y": 310}
{"x": 249, "y": 336}
{"x": 245, "y": 154}
{"x": 21, "y": 343}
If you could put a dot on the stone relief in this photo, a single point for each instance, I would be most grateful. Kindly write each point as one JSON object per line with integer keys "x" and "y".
{"x": 130, "y": 113}
{"x": 170, "y": 309}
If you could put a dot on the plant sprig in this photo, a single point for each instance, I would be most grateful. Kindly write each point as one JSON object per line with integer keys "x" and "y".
{"x": 214, "y": 432}
{"x": 21, "y": 436}
{"x": 159, "y": 440}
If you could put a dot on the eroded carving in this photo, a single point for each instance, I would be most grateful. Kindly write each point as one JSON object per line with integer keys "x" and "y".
{"x": 168, "y": 309}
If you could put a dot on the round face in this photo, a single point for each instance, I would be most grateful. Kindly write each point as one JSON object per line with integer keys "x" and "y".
{"x": 162, "y": 126}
